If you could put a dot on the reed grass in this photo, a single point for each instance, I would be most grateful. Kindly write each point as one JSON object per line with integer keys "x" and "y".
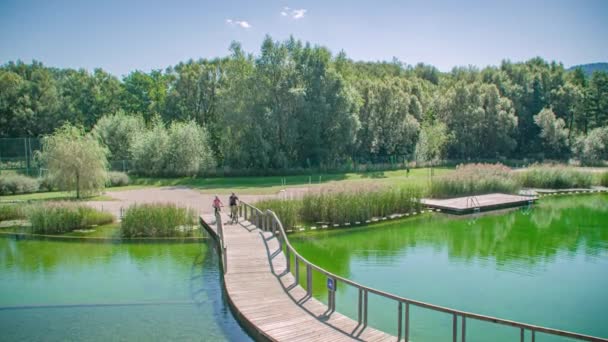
{"x": 474, "y": 179}
{"x": 63, "y": 217}
{"x": 158, "y": 220}
{"x": 555, "y": 177}
{"x": 603, "y": 179}
{"x": 343, "y": 207}
{"x": 11, "y": 212}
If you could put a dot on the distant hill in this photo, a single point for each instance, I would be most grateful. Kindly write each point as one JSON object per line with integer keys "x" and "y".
{"x": 588, "y": 69}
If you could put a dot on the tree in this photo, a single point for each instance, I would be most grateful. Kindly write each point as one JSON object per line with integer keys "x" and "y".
{"x": 432, "y": 143}
{"x": 593, "y": 148}
{"x": 150, "y": 148}
{"x": 190, "y": 151}
{"x": 553, "y": 133}
{"x": 76, "y": 161}
{"x": 117, "y": 132}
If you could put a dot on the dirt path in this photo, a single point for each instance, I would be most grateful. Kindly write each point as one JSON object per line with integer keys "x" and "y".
{"x": 181, "y": 196}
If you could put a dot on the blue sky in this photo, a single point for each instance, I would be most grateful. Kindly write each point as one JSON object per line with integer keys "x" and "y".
{"x": 121, "y": 36}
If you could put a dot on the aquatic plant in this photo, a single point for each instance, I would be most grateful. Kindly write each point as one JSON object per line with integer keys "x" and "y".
{"x": 157, "y": 220}
{"x": 62, "y": 217}
{"x": 11, "y": 212}
{"x": 555, "y": 177}
{"x": 474, "y": 179}
{"x": 338, "y": 207}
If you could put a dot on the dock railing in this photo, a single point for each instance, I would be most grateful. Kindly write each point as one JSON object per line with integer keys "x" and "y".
{"x": 269, "y": 222}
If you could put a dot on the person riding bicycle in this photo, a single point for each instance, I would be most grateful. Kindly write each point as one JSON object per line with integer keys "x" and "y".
{"x": 217, "y": 204}
{"x": 233, "y": 208}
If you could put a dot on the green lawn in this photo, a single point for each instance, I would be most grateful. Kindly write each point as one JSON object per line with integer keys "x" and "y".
{"x": 52, "y": 196}
{"x": 253, "y": 185}
{"x": 272, "y": 184}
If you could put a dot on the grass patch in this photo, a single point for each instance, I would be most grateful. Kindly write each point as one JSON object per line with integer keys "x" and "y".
{"x": 555, "y": 177}
{"x": 158, "y": 220}
{"x": 603, "y": 179}
{"x": 474, "y": 179}
{"x": 343, "y": 207}
{"x": 12, "y": 212}
{"x": 63, "y": 217}
{"x": 273, "y": 184}
{"x": 53, "y": 196}
{"x": 13, "y": 184}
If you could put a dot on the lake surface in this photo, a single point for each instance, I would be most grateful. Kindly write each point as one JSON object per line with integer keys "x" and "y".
{"x": 545, "y": 265}
{"x": 73, "y": 291}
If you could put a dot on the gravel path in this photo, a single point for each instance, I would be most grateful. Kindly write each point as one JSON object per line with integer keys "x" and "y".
{"x": 181, "y": 196}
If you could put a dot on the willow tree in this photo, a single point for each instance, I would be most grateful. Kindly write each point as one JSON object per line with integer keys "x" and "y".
{"x": 76, "y": 161}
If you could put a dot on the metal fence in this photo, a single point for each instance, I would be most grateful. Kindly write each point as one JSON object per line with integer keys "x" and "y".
{"x": 268, "y": 221}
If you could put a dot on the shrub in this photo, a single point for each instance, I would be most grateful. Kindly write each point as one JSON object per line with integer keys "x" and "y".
{"x": 592, "y": 149}
{"x": 18, "y": 184}
{"x": 62, "y": 217}
{"x": 11, "y": 212}
{"x": 342, "y": 207}
{"x": 117, "y": 179}
{"x": 555, "y": 177}
{"x": 474, "y": 179}
{"x": 157, "y": 220}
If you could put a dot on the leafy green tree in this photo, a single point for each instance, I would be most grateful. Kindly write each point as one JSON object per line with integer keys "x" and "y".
{"x": 432, "y": 144}
{"x": 553, "y": 133}
{"x": 76, "y": 161}
{"x": 150, "y": 148}
{"x": 480, "y": 121}
{"x": 145, "y": 93}
{"x": 189, "y": 150}
{"x": 117, "y": 131}
{"x": 592, "y": 149}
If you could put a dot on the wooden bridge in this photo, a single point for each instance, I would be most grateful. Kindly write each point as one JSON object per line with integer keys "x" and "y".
{"x": 268, "y": 301}
{"x": 265, "y": 296}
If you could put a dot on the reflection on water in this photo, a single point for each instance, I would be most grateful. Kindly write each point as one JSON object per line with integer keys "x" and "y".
{"x": 164, "y": 292}
{"x": 545, "y": 265}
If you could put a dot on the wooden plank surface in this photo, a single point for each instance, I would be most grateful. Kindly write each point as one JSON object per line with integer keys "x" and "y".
{"x": 264, "y": 293}
{"x": 481, "y": 201}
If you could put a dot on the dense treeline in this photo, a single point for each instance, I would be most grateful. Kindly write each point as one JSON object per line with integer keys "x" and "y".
{"x": 296, "y": 105}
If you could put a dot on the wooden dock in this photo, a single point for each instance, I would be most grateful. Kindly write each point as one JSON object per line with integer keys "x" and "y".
{"x": 264, "y": 295}
{"x": 464, "y": 205}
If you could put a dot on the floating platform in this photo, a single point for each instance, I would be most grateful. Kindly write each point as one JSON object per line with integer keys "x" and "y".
{"x": 469, "y": 204}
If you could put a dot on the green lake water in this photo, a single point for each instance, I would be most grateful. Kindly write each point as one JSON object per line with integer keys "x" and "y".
{"x": 75, "y": 291}
{"x": 545, "y": 265}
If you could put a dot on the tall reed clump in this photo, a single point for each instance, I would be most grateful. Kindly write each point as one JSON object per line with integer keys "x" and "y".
{"x": 474, "y": 179}
{"x": 63, "y": 217}
{"x": 604, "y": 179}
{"x": 11, "y": 212}
{"x": 288, "y": 211}
{"x": 555, "y": 177}
{"x": 158, "y": 220}
{"x": 343, "y": 207}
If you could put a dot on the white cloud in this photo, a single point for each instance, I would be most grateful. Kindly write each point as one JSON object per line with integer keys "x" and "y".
{"x": 293, "y": 13}
{"x": 298, "y": 14}
{"x": 241, "y": 23}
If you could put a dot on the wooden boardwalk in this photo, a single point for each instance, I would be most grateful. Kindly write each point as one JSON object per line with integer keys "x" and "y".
{"x": 265, "y": 297}
{"x": 469, "y": 204}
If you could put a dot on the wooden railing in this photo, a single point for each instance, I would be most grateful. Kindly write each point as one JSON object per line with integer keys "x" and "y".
{"x": 268, "y": 221}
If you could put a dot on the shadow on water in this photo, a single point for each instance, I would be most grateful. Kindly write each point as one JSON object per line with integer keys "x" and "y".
{"x": 206, "y": 291}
